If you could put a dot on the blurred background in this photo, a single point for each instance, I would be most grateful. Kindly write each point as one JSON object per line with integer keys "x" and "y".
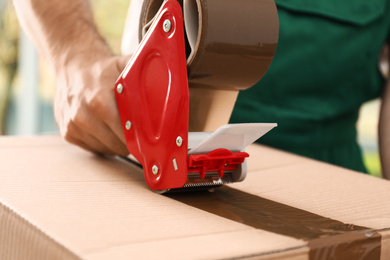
{"x": 27, "y": 86}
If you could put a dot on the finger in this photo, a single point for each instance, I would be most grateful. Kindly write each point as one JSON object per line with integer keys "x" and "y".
{"x": 122, "y": 61}
{"x": 113, "y": 121}
{"x": 84, "y": 139}
{"x": 103, "y": 104}
{"x": 115, "y": 124}
{"x": 116, "y": 128}
{"x": 99, "y": 132}
{"x": 112, "y": 141}
{"x": 80, "y": 143}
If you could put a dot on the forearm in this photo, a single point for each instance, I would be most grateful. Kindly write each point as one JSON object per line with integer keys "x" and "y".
{"x": 63, "y": 31}
{"x": 384, "y": 128}
{"x": 85, "y": 71}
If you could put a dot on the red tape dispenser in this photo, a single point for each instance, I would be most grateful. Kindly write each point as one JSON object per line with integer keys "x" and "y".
{"x": 153, "y": 101}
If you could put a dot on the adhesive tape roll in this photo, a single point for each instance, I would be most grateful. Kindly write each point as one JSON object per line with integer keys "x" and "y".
{"x": 230, "y": 44}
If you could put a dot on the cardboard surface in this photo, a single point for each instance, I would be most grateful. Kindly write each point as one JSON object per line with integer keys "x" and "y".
{"x": 60, "y": 202}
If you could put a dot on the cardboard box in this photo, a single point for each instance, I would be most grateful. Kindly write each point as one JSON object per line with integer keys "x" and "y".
{"x": 60, "y": 202}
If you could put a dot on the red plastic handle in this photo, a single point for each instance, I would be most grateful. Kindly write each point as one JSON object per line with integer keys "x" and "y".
{"x": 152, "y": 98}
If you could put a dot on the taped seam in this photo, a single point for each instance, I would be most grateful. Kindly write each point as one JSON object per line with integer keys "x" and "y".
{"x": 318, "y": 231}
{"x": 17, "y": 230}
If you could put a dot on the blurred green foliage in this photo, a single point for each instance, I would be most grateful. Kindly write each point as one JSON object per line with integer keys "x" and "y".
{"x": 372, "y": 162}
{"x": 9, "y": 31}
{"x": 110, "y": 18}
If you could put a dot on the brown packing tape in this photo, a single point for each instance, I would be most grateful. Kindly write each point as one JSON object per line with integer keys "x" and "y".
{"x": 230, "y": 44}
{"x": 385, "y": 254}
{"x": 359, "y": 245}
{"x": 210, "y": 108}
{"x": 327, "y": 238}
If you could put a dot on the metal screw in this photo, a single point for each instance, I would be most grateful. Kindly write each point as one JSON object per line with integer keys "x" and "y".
{"x": 128, "y": 125}
{"x": 155, "y": 169}
{"x": 179, "y": 141}
{"x": 167, "y": 25}
{"x": 119, "y": 88}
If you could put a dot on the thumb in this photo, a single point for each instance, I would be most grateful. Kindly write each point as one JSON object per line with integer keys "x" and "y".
{"x": 123, "y": 60}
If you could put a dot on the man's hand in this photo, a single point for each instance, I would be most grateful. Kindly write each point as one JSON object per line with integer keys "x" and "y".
{"x": 85, "y": 70}
{"x": 85, "y": 106}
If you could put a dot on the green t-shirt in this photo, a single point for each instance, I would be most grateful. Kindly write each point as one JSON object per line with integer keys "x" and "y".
{"x": 324, "y": 69}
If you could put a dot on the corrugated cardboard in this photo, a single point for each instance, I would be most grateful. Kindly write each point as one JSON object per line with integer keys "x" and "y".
{"x": 60, "y": 202}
